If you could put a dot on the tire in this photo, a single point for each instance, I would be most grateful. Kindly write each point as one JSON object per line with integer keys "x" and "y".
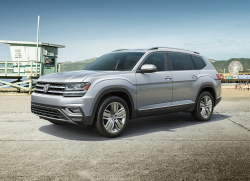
{"x": 204, "y": 107}
{"x": 111, "y": 117}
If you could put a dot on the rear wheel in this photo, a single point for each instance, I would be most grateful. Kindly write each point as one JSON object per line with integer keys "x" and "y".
{"x": 204, "y": 107}
{"x": 111, "y": 117}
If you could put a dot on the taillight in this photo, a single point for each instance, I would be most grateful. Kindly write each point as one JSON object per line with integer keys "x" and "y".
{"x": 218, "y": 76}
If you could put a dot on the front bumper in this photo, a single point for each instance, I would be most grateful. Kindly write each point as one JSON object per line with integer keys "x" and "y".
{"x": 60, "y": 114}
{"x": 84, "y": 102}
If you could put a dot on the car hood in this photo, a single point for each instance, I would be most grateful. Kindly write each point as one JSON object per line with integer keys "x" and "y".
{"x": 73, "y": 76}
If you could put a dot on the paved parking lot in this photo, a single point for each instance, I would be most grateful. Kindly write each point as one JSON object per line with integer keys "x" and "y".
{"x": 166, "y": 147}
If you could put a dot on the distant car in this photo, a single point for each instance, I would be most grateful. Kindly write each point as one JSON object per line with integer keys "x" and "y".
{"x": 127, "y": 84}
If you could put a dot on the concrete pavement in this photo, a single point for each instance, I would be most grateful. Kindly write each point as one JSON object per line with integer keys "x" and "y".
{"x": 166, "y": 147}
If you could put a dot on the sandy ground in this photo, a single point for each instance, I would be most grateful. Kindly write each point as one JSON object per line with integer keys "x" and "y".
{"x": 235, "y": 93}
{"x": 166, "y": 147}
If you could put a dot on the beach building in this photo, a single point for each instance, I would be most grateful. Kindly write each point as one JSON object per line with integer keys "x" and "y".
{"x": 29, "y": 60}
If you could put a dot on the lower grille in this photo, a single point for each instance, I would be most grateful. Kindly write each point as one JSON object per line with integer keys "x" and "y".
{"x": 46, "y": 112}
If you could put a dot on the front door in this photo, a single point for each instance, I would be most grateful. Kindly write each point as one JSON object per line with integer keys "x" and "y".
{"x": 186, "y": 81}
{"x": 154, "y": 90}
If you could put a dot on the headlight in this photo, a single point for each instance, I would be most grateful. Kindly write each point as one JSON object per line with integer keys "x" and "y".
{"x": 77, "y": 86}
{"x": 76, "y": 89}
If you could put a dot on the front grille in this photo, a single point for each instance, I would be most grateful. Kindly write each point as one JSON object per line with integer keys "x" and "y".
{"x": 53, "y": 88}
{"x": 46, "y": 112}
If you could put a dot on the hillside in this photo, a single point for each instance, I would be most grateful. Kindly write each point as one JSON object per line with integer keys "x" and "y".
{"x": 78, "y": 65}
{"x": 212, "y": 60}
{"x": 219, "y": 65}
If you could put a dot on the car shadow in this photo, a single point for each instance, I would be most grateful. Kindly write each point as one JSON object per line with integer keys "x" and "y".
{"x": 136, "y": 127}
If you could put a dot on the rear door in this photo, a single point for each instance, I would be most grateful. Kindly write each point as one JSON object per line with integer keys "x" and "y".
{"x": 186, "y": 81}
{"x": 154, "y": 90}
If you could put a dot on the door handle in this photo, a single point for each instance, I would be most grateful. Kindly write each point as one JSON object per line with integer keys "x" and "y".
{"x": 167, "y": 77}
{"x": 194, "y": 76}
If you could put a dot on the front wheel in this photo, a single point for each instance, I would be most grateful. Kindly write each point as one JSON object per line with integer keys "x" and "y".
{"x": 112, "y": 117}
{"x": 204, "y": 107}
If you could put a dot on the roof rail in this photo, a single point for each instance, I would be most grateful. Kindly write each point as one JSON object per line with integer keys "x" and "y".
{"x": 119, "y": 50}
{"x": 154, "y": 48}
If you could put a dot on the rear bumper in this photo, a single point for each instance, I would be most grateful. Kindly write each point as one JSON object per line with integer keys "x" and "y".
{"x": 60, "y": 114}
{"x": 217, "y": 101}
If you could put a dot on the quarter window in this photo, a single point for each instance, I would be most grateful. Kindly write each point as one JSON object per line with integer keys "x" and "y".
{"x": 157, "y": 59}
{"x": 199, "y": 62}
{"x": 179, "y": 61}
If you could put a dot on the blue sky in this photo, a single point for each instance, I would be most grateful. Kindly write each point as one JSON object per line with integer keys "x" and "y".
{"x": 218, "y": 29}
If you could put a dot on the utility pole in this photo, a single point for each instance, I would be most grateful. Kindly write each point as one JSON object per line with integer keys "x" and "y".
{"x": 30, "y": 78}
{"x": 37, "y": 38}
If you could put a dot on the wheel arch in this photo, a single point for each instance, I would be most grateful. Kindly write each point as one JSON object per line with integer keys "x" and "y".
{"x": 209, "y": 88}
{"x": 120, "y": 92}
{"x": 206, "y": 87}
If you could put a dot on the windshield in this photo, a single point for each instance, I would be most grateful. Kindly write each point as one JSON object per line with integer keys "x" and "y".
{"x": 116, "y": 61}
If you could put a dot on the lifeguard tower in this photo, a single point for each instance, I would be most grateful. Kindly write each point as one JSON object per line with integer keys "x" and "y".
{"x": 30, "y": 60}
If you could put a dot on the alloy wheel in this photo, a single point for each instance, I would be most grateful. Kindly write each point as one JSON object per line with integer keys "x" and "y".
{"x": 206, "y": 106}
{"x": 114, "y": 117}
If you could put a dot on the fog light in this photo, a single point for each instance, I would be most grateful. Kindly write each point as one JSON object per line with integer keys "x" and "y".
{"x": 73, "y": 94}
{"x": 76, "y": 119}
{"x": 74, "y": 110}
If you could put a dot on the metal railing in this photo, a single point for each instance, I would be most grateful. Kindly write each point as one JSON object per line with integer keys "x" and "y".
{"x": 20, "y": 68}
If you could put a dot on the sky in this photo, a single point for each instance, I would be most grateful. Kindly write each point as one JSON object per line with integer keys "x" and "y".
{"x": 218, "y": 29}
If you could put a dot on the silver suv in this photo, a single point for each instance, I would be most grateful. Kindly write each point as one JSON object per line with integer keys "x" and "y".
{"x": 127, "y": 84}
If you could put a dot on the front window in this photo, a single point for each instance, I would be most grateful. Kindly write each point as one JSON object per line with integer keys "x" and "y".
{"x": 158, "y": 60}
{"x": 116, "y": 61}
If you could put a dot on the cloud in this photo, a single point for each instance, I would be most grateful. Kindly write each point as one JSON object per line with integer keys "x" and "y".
{"x": 216, "y": 48}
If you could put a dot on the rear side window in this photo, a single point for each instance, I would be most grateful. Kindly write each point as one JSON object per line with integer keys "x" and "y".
{"x": 179, "y": 61}
{"x": 191, "y": 62}
{"x": 199, "y": 62}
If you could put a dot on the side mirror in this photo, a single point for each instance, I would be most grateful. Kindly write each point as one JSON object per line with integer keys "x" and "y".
{"x": 147, "y": 68}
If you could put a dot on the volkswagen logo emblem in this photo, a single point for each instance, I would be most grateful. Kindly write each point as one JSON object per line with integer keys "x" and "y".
{"x": 46, "y": 88}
